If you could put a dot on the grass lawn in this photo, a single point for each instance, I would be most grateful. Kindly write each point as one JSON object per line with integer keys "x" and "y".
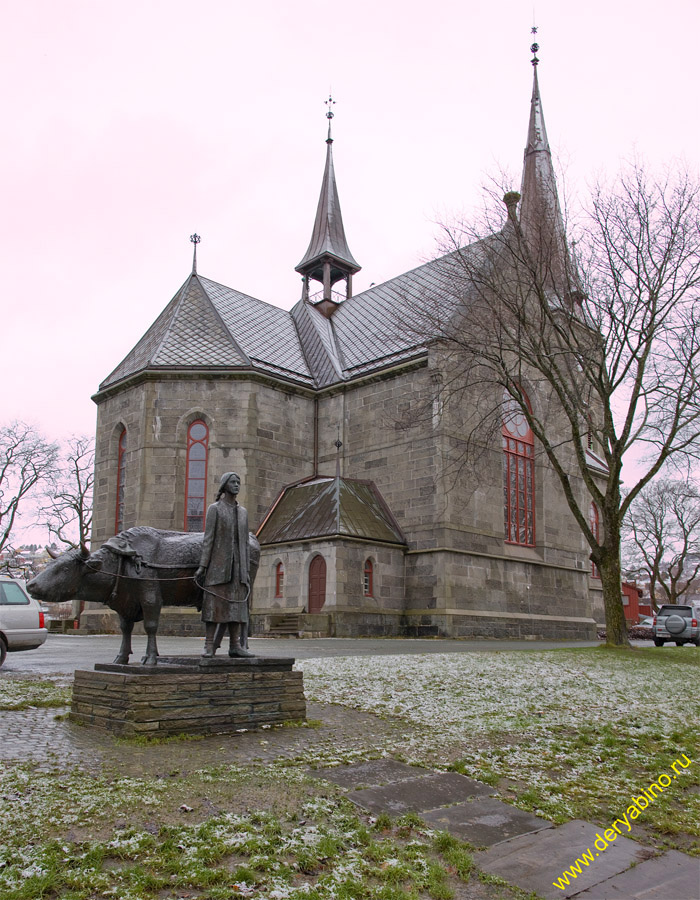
{"x": 564, "y": 733}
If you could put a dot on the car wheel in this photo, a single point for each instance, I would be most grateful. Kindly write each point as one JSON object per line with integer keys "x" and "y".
{"x": 3, "y": 650}
{"x": 658, "y": 642}
{"x": 697, "y": 642}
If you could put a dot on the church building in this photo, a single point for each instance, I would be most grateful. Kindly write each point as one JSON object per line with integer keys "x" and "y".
{"x": 362, "y": 530}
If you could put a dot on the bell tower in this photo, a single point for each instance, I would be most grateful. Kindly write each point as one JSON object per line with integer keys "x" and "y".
{"x": 328, "y": 258}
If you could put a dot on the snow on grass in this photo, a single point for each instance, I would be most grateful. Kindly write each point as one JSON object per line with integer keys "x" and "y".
{"x": 569, "y": 733}
{"x": 23, "y": 693}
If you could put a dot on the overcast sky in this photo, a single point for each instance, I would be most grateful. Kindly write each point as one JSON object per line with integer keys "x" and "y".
{"x": 129, "y": 125}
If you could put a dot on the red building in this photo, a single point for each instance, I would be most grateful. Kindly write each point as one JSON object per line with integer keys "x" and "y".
{"x": 632, "y": 602}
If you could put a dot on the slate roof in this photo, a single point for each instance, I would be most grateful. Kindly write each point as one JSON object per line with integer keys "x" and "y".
{"x": 208, "y": 325}
{"x": 371, "y": 328}
{"x": 328, "y": 507}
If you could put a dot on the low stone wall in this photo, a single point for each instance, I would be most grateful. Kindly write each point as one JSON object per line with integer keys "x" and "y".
{"x": 183, "y": 695}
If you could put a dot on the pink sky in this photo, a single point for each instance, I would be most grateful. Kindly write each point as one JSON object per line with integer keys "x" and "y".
{"x": 129, "y": 125}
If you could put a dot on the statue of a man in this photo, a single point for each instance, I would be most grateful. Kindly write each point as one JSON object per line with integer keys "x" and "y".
{"x": 225, "y": 568}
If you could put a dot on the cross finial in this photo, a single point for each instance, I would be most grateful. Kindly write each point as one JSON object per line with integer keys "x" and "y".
{"x": 534, "y": 47}
{"x": 195, "y": 238}
{"x": 330, "y": 103}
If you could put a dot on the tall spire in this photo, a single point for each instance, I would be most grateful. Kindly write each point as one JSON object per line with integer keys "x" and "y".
{"x": 328, "y": 258}
{"x": 540, "y": 213}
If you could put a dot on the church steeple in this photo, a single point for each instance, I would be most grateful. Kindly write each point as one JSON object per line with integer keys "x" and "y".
{"x": 328, "y": 258}
{"x": 540, "y": 213}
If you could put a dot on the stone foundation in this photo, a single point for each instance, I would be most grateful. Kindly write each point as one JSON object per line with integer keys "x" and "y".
{"x": 188, "y": 695}
{"x": 180, "y": 621}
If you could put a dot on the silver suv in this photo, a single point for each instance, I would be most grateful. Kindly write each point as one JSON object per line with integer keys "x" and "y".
{"x": 21, "y": 618}
{"x": 676, "y": 623}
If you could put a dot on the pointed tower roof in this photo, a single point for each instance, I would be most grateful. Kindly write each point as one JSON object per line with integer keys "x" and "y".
{"x": 209, "y": 326}
{"x": 540, "y": 213}
{"x": 328, "y": 242}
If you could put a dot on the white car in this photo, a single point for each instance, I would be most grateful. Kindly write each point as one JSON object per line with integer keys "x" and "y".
{"x": 22, "y": 624}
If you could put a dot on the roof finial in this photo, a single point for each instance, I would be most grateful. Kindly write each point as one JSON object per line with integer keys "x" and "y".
{"x": 534, "y": 47}
{"x": 330, "y": 103}
{"x": 195, "y": 238}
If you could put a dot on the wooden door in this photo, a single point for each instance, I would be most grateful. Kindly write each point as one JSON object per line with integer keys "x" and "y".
{"x": 317, "y": 584}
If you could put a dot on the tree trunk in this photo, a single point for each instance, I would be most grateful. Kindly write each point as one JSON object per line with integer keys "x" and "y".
{"x": 611, "y": 578}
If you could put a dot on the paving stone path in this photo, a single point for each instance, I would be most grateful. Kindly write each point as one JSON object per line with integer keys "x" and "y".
{"x": 49, "y": 741}
{"x": 525, "y": 850}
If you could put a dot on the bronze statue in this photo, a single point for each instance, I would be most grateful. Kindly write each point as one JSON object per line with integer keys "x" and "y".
{"x": 224, "y": 569}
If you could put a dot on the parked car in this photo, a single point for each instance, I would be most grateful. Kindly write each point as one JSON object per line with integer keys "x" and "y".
{"x": 676, "y": 623}
{"x": 22, "y": 624}
{"x": 646, "y": 622}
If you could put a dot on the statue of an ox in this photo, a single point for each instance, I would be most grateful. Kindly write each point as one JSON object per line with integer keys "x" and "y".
{"x": 135, "y": 573}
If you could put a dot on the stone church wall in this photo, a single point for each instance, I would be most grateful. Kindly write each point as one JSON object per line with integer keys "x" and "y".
{"x": 459, "y": 578}
{"x": 403, "y": 463}
{"x": 347, "y": 612}
{"x": 254, "y": 429}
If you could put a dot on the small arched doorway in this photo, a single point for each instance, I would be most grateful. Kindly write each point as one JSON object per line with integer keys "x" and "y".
{"x": 317, "y": 584}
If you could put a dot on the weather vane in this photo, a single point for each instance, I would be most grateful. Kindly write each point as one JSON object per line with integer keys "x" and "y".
{"x": 330, "y": 103}
{"x": 195, "y": 238}
{"x": 534, "y": 47}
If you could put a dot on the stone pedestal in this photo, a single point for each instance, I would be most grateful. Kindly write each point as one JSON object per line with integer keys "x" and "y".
{"x": 188, "y": 695}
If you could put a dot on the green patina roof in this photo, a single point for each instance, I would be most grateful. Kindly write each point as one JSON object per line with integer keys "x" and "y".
{"x": 325, "y": 507}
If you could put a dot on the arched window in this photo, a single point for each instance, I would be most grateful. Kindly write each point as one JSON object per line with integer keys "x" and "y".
{"x": 119, "y": 505}
{"x": 594, "y": 522}
{"x": 369, "y": 578}
{"x": 196, "y": 482}
{"x": 518, "y": 476}
{"x": 279, "y": 580}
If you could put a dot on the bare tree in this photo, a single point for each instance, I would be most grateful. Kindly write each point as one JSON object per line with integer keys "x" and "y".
{"x": 605, "y": 342}
{"x": 663, "y": 527}
{"x": 66, "y": 508}
{"x": 26, "y": 458}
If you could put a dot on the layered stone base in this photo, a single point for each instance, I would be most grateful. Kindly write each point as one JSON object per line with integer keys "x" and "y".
{"x": 188, "y": 695}
{"x": 453, "y": 624}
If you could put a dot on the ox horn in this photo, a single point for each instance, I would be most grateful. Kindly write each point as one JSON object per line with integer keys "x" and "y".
{"x": 84, "y": 552}
{"x": 54, "y": 554}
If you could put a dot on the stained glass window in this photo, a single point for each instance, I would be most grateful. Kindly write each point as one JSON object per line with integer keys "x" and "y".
{"x": 196, "y": 482}
{"x": 518, "y": 476}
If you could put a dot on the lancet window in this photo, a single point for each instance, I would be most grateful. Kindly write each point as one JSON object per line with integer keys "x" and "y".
{"x": 196, "y": 482}
{"x": 518, "y": 476}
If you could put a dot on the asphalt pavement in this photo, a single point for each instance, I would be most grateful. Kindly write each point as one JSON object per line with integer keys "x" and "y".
{"x": 63, "y": 653}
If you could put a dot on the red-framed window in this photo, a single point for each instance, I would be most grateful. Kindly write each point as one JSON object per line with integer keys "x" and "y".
{"x": 594, "y": 522}
{"x": 518, "y": 476}
{"x": 368, "y": 578}
{"x": 121, "y": 482}
{"x": 279, "y": 580}
{"x": 196, "y": 480}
